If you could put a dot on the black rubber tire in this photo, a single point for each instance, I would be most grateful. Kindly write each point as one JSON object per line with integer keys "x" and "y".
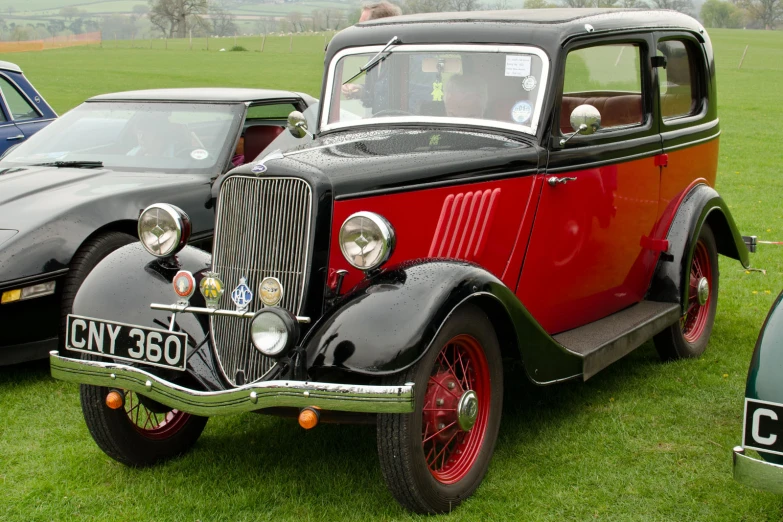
{"x": 671, "y": 343}
{"x": 86, "y": 258}
{"x": 114, "y": 433}
{"x": 399, "y": 436}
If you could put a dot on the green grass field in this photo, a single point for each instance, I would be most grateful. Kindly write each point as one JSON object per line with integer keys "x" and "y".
{"x": 641, "y": 441}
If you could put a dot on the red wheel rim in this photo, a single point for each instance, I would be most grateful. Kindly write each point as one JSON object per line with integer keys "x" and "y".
{"x": 695, "y": 319}
{"x": 449, "y": 451}
{"x": 150, "y": 424}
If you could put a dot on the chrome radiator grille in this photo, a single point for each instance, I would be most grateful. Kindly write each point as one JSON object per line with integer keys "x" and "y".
{"x": 262, "y": 230}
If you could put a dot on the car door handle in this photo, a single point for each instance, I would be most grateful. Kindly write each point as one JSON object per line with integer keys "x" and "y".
{"x": 12, "y": 138}
{"x": 554, "y": 181}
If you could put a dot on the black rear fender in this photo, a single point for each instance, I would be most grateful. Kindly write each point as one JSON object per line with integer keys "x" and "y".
{"x": 701, "y": 205}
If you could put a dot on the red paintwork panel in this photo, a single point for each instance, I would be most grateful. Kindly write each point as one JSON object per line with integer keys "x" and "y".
{"x": 478, "y": 222}
{"x": 586, "y": 259}
{"x": 686, "y": 165}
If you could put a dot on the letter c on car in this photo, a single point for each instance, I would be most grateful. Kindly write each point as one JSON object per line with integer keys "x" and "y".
{"x": 74, "y": 324}
{"x": 767, "y": 441}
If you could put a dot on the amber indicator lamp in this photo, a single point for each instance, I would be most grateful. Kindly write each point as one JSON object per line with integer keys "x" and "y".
{"x": 309, "y": 417}
{"x": 115, "y": 400}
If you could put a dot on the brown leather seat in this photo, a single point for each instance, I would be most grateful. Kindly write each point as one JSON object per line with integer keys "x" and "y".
{"x": 625, "y": 109}
{"x": 257, "y": 138}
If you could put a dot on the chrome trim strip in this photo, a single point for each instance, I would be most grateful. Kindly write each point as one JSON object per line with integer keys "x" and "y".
{"x": 757, "y": 473}
{"x": 250, "y": 397}
{"x": 214, "y": 311}
{"x": 401, "y": 48}
{"x": 28, "y": 280}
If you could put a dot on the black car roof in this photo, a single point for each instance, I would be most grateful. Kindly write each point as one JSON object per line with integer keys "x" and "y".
{"x": 201, "y": 94}
{"x": 545, "y": 28}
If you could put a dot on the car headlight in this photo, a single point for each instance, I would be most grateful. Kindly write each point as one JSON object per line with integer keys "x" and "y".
{"x": 273, "y": 331}
{"x": 366, "y": 240}
{"x": 164, "y": 229}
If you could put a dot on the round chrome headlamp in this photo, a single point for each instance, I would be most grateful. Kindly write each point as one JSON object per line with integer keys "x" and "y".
{"x": 273, "y": 331}
{"x": 164, "y": 229}
{"x": 366, "y": 240}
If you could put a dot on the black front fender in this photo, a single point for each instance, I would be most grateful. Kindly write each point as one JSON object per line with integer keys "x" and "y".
{"x": 701, "y": 205}
{"x": 387, "y": 323}
{"x": 124, "y": 284}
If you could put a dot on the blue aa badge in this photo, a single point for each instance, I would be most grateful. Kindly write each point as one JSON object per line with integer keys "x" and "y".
{"x": 242, "y": 295}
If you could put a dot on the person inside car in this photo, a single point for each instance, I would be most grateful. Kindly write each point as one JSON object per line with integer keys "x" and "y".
{"x": 465, "y": 96}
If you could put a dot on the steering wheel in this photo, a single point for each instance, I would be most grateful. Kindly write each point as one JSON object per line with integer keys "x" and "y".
{"x": 392, "y": 112}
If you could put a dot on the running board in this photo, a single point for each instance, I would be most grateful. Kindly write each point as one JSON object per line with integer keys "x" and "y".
{"x": 607, "y": 340}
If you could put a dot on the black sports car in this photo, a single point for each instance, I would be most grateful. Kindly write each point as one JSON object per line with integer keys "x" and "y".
{"x": 73, "y": 192}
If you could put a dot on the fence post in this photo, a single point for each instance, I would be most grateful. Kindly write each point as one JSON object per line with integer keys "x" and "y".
{"x": 235, "y": 39}
{"x": 165, "y": 43}
{"x": 291, "y": 44}
{"x": 263, "y": 42}
{"x": 190, "y": 33}
{"x": 115, "y": 40}
{"x": 207, "y": 42}
{"x": 743, "y": 56}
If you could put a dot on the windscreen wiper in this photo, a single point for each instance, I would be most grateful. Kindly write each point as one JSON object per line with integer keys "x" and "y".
{"x": 375, "y": 60}
{"x": 71, "y": 164}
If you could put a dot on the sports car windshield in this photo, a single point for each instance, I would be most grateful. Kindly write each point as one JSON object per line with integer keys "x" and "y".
{"x": 494, "y": 86}
{"x": 137, "y": 136}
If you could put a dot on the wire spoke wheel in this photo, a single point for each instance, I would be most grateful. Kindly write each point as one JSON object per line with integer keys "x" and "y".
{"x": 152, "y": 424}
{"x": 435, "y": 457}
{"x": 689, "y": 336}
{"x": 449, "y": 449}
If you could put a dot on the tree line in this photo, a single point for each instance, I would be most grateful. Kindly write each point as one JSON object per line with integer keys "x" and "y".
{"x": 183, "y": 18}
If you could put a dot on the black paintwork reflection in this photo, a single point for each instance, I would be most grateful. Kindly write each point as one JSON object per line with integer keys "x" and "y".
{"x": 387, "y": 322}
{"x": 383, "y": 160}
{"x": 122, "y": 287}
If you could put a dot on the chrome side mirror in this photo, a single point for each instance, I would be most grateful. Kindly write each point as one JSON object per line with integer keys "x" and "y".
{"x": 297, "y": 125}
{"x": 585, "y": 120}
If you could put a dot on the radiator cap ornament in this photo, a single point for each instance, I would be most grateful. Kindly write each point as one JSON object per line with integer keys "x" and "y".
{"x": 211, "y": 288}
{"x": 242, "y": 295}
{"x": 270, "y": 291}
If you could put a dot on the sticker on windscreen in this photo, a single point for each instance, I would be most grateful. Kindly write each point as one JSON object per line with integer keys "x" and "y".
{"x": 199, "y": 154}
{"x": 529, "y": 83}
{"x": 521, "y": 112}
{"x": 518, "y": 65}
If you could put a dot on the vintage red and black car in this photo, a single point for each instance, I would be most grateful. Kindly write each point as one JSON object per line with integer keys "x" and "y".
{"x": 482, "y": 186}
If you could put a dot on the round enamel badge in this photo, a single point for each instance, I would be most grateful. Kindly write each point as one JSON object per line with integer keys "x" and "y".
{"x": 270, "y": 291}
{"x": 184, "y": 284}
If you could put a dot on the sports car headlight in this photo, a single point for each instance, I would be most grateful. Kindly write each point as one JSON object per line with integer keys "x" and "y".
{"x": 273, "y": 331}
{"x": 366, "y": 240}
{"x": 164, "y": 229}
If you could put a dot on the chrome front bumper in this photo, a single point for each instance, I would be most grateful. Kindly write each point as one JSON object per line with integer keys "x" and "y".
{"x": 257, "y": 396}
{"x": 756, "y": 473}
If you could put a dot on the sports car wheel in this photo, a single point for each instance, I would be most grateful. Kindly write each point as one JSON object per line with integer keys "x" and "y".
{"x": 436, "y": 457}
{"x": 86, "y": 258}
{"x": 140, "y": 433}
{"x": 689, "y": 337}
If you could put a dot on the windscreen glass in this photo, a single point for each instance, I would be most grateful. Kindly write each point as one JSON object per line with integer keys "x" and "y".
{"x": 145, "y": 136}
{"x": 501, "y": 86}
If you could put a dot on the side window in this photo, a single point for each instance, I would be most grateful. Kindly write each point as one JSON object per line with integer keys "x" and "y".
{"x": 676, "y": 81}
{"x": 20, "y": 108}
{"x": 608, "y": 77}
{"x": 278, "y": 111}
